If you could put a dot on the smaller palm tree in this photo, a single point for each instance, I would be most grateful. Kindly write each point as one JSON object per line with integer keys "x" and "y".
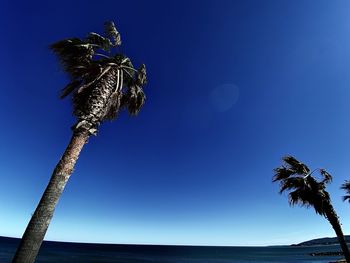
{"x": 346, "y": 186}
{"x": 306, "y": 190}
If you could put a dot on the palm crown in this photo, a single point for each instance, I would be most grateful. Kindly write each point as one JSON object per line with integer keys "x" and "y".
{"x": 346, "y": 186}
{"x": 102, "y": 83}
{"x": 305, "y": 190}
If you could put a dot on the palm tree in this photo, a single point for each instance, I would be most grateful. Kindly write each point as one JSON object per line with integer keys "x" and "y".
{"x": 102, "y": 84}
{"x": 306, "y": 190}
{"x": 346, "y": 186}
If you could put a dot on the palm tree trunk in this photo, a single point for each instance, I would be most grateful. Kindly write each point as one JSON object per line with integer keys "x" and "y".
{"x": 333, "y": 219}
{"x": 37, "y": 227}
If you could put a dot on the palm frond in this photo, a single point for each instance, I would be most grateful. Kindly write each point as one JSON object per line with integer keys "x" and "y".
{"x": 141, "y": 76}
{"x": 298, "y": 196}
{"x": 327, "y": 178}
{"x": 346, "y": 186}
{"x": 130, "y": 71}
{"x": 134, "y": 99}
{"x": 70, "y": 88}
{"x": 292, "y": 183}
{"x": 112, "y": 32}
{"x": 281, "y": 173}
{"x": 99, "y": 41}
{"x": 319, "y": 206}
{"x": 309, "y": 198}
{"x": 74, "y": 55}
{"x": 296, "y": 165}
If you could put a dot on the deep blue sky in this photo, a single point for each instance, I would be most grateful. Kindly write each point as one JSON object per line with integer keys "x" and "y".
{"x": 233, "y": 86}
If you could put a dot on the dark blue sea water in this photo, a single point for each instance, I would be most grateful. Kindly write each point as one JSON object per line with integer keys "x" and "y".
{"x": 59, "y": 252}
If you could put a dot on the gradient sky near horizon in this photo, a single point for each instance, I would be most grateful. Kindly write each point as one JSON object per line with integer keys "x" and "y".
{"x": 233, "y": 86}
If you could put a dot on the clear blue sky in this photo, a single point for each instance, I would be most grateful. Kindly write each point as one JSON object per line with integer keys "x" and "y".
{"x": 233, "y": 86}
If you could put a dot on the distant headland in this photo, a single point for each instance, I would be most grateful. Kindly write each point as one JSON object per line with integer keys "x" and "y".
{"x": 322, "y": 241}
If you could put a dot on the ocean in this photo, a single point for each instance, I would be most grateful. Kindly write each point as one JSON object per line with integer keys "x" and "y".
{"x": 62, "y": 252}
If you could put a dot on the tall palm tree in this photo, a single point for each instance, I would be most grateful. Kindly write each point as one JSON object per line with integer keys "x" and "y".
{"x": 346, "y": 186}
{"x": 103, "y": 82}
{"x": 306, "y": 190}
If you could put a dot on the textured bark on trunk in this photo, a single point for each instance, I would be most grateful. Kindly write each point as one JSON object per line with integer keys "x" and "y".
{"x": 37, "y": 227}
{"x": 95, "y": 105}
{"x": 333, "y": 219}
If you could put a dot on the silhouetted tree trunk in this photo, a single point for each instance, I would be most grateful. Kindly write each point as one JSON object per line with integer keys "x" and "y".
{"x": 37, "y": 227}
{"x": 333, "y": 219}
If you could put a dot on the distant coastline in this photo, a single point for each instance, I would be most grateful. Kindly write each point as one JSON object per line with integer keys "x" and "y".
{"x": 322, "y": 241}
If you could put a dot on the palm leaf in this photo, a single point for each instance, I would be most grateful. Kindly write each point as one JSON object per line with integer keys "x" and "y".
{"x": 310, "y": 198}
{"x": 141, "y": 75}
{"x": 292, "y": 183}
{"x": 346, "y": 186}
{"x": 134, "y": 99}
{"x": 281, "y": 173}
{"x": 113, "y": 33}
{"x": 319, "y": 205}
{"x": 298, "y": 196}
{"x": 99, "y": 41}
{"x": 295, "y": 165}
{"x": 70, "y": 88}
{"x": 74, "y": 55}
{"x": 327, "y": 178}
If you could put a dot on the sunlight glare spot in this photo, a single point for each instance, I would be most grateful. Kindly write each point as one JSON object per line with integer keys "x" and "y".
{"x": 224, "y": 97}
